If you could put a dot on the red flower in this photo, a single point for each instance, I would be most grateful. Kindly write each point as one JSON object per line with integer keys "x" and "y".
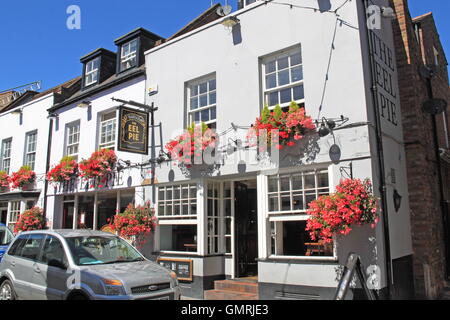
{"x": 352, "y": 204}
{"x": 279, "y": 127}
{"x": 23, "y": 177}
{"x": 32, "y": 219}
{"x": 98, "y": 165}
{"x": 64, "y": 171}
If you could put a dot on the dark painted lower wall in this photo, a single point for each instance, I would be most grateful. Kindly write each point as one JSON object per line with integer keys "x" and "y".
{"x": 197, "y": 287}
{"x": 403, "y": 287}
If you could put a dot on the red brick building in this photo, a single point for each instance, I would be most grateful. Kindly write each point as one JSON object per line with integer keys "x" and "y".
{"x": 423, "y": 75}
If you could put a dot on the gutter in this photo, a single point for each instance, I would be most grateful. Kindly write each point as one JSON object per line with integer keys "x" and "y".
{"x": 97, "y": 89}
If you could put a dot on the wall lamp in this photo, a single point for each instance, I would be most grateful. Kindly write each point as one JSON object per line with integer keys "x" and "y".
{"x": 388, "y": 13}
{"x": 230, "y": 21}
{"x": 17, "y": 112}
{"x": 52, "y": 116}
{"x": 326, "y": 127}
{"x": 84, "y": 104}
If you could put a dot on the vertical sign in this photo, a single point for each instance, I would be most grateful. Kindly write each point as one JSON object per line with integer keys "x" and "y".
{"x": 133, "y": 131}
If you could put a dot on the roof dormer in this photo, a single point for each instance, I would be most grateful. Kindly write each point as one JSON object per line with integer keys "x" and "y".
{"x": 131, "y": 48}
{"x": 98, "y": 66}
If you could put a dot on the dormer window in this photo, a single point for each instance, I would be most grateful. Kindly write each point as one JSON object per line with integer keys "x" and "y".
{"x": 98, "y": 66}
{"x": 92, "y": 71}
{"x": 128, "y": 57}
{"x": 131, "y": 48}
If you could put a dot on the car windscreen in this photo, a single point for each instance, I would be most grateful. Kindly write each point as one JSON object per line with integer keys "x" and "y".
{"x": 96, "y": 250}
{"x": 6, "y": 236}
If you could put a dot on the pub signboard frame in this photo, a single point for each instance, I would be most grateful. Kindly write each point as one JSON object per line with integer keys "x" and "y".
{"x": 133, "y": 131}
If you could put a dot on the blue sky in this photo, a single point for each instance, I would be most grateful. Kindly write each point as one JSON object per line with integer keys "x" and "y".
{"x": 36, "y": 44}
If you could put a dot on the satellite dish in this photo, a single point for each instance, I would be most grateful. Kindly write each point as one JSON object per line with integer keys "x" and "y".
{"x": 224, "y": 10}
{"x": 434, "y": 106}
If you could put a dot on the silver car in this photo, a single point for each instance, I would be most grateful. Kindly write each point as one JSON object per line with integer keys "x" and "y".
{"x": 81, "y": 265}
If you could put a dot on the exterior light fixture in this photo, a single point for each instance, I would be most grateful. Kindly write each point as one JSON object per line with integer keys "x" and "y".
{"x": 84, "y": 104}
{"x": 324, "y": 130}
{"x": 388, "y": 13}
{"x": 397, "y": 200}
{"x": 17, "y": 112}
{"x": 230, "y": 21}
{"x": 52, "y": 116}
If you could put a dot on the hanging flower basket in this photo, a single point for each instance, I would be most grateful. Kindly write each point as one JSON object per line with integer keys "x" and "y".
{"x": 135, "y": 223}
{"x": 5, "y": 182}
{"x": 353, "y": 203}
{"x": 66, "y": 170}
{"x": 191, "y": 144}
{"x": 99, "y": 165}
{"x": 32, "y": 219}
{"x": 24, "y": 178}
{"x": 280, "y": 128}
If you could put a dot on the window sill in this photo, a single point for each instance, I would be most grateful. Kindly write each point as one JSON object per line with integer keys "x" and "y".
{"x": 299, "y": 259}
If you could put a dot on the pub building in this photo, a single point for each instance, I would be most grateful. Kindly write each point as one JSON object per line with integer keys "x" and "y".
{"x": 90, "y": 120}
{"x": 244, "y": 218}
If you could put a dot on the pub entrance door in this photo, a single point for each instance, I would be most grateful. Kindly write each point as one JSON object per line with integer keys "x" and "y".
{"x": 246, "y": 229}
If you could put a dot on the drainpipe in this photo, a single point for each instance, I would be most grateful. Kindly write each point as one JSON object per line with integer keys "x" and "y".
{"x": 47, "y": 165}
{"x": 382, "y": 171}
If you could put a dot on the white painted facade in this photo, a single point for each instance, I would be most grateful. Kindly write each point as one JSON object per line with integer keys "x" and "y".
{"x": 15, "y": 124}
{"x": 235, "y": 59}
{"x": 128, "y": 180}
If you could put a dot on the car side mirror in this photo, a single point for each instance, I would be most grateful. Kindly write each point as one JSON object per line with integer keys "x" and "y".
{"x": 57, "y": 264}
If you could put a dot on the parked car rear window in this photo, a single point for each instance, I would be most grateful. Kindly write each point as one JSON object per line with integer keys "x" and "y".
{"x": 97, "y": 250}
{"x": 31, "y": 248}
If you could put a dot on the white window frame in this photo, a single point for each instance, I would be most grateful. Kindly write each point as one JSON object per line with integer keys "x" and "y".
{"x": 187, "y": 219}
{"x": 30, "y": 149}
{"x": 14, "y": 210}
{"x": 6, "y": 155}
{"x": 274, "y": 58}
{"x": 126, "y": 57}
{"x": 73, "y": 132}
{"x": 104, "y": 132}
{"x": 214, "y": 219}
{"x": 92, "y": 71}
{"x": 193, "y": 94}
{"x": 294, "y": 215}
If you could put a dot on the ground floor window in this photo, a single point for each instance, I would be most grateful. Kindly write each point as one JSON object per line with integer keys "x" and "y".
{"x": 288, "y": 197}
{"x": 14, "y": 212}
{"x": 95, "y": 210}
{"x": 180, "y": 238}
{"x": 290, "y": 238}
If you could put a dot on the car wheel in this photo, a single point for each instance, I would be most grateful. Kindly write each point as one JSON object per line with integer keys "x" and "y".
{"x": 78, "y": 297}
{"x": 7, "y": 291}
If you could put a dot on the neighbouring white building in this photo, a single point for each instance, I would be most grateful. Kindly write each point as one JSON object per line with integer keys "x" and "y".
{"x": 241, "y": 219}
{"x": 87, "y": 121}
{"x": 24, "y": 137}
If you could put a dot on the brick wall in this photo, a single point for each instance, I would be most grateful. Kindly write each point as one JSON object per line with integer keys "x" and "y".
{"x": 426, "y": 213}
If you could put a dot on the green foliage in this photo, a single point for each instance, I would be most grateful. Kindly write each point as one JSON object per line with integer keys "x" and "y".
{"x": 67, "y": 159}
{"x": 293, "y": 107}
{"x": 265, "y": 114}
{"x": 277, "y": 113}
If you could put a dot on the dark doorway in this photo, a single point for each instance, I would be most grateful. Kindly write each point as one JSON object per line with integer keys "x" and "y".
{"x": 246, "y": 228}
{"x": 3, "y": 215}
{"x": 68, "y": 212}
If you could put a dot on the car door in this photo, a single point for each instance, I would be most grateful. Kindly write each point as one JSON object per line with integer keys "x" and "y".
{"x": 22, "y": 262}
{"x": 50, "y": 272}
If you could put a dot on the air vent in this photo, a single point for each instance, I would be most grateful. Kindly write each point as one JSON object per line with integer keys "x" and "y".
{"x": 295, "y": 296}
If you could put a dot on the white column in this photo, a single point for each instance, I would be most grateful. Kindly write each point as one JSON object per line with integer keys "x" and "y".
{"x": 202, "y": 219}
{"x": 263, "y": 237}
{"x": 75, "y": 213}
{"x": 95, "y": 211}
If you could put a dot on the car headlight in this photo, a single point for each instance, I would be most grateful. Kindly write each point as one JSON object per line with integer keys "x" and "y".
{"x": 174, "y": 277}
{"x": 113, "y": 287}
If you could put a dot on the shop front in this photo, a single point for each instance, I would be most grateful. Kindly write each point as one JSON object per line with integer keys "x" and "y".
{"x": 238, "y": 227}
{"x": 14, "y": 203}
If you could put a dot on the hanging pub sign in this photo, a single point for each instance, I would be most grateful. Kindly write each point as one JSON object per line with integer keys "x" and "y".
{"x": 133, "y": 131}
